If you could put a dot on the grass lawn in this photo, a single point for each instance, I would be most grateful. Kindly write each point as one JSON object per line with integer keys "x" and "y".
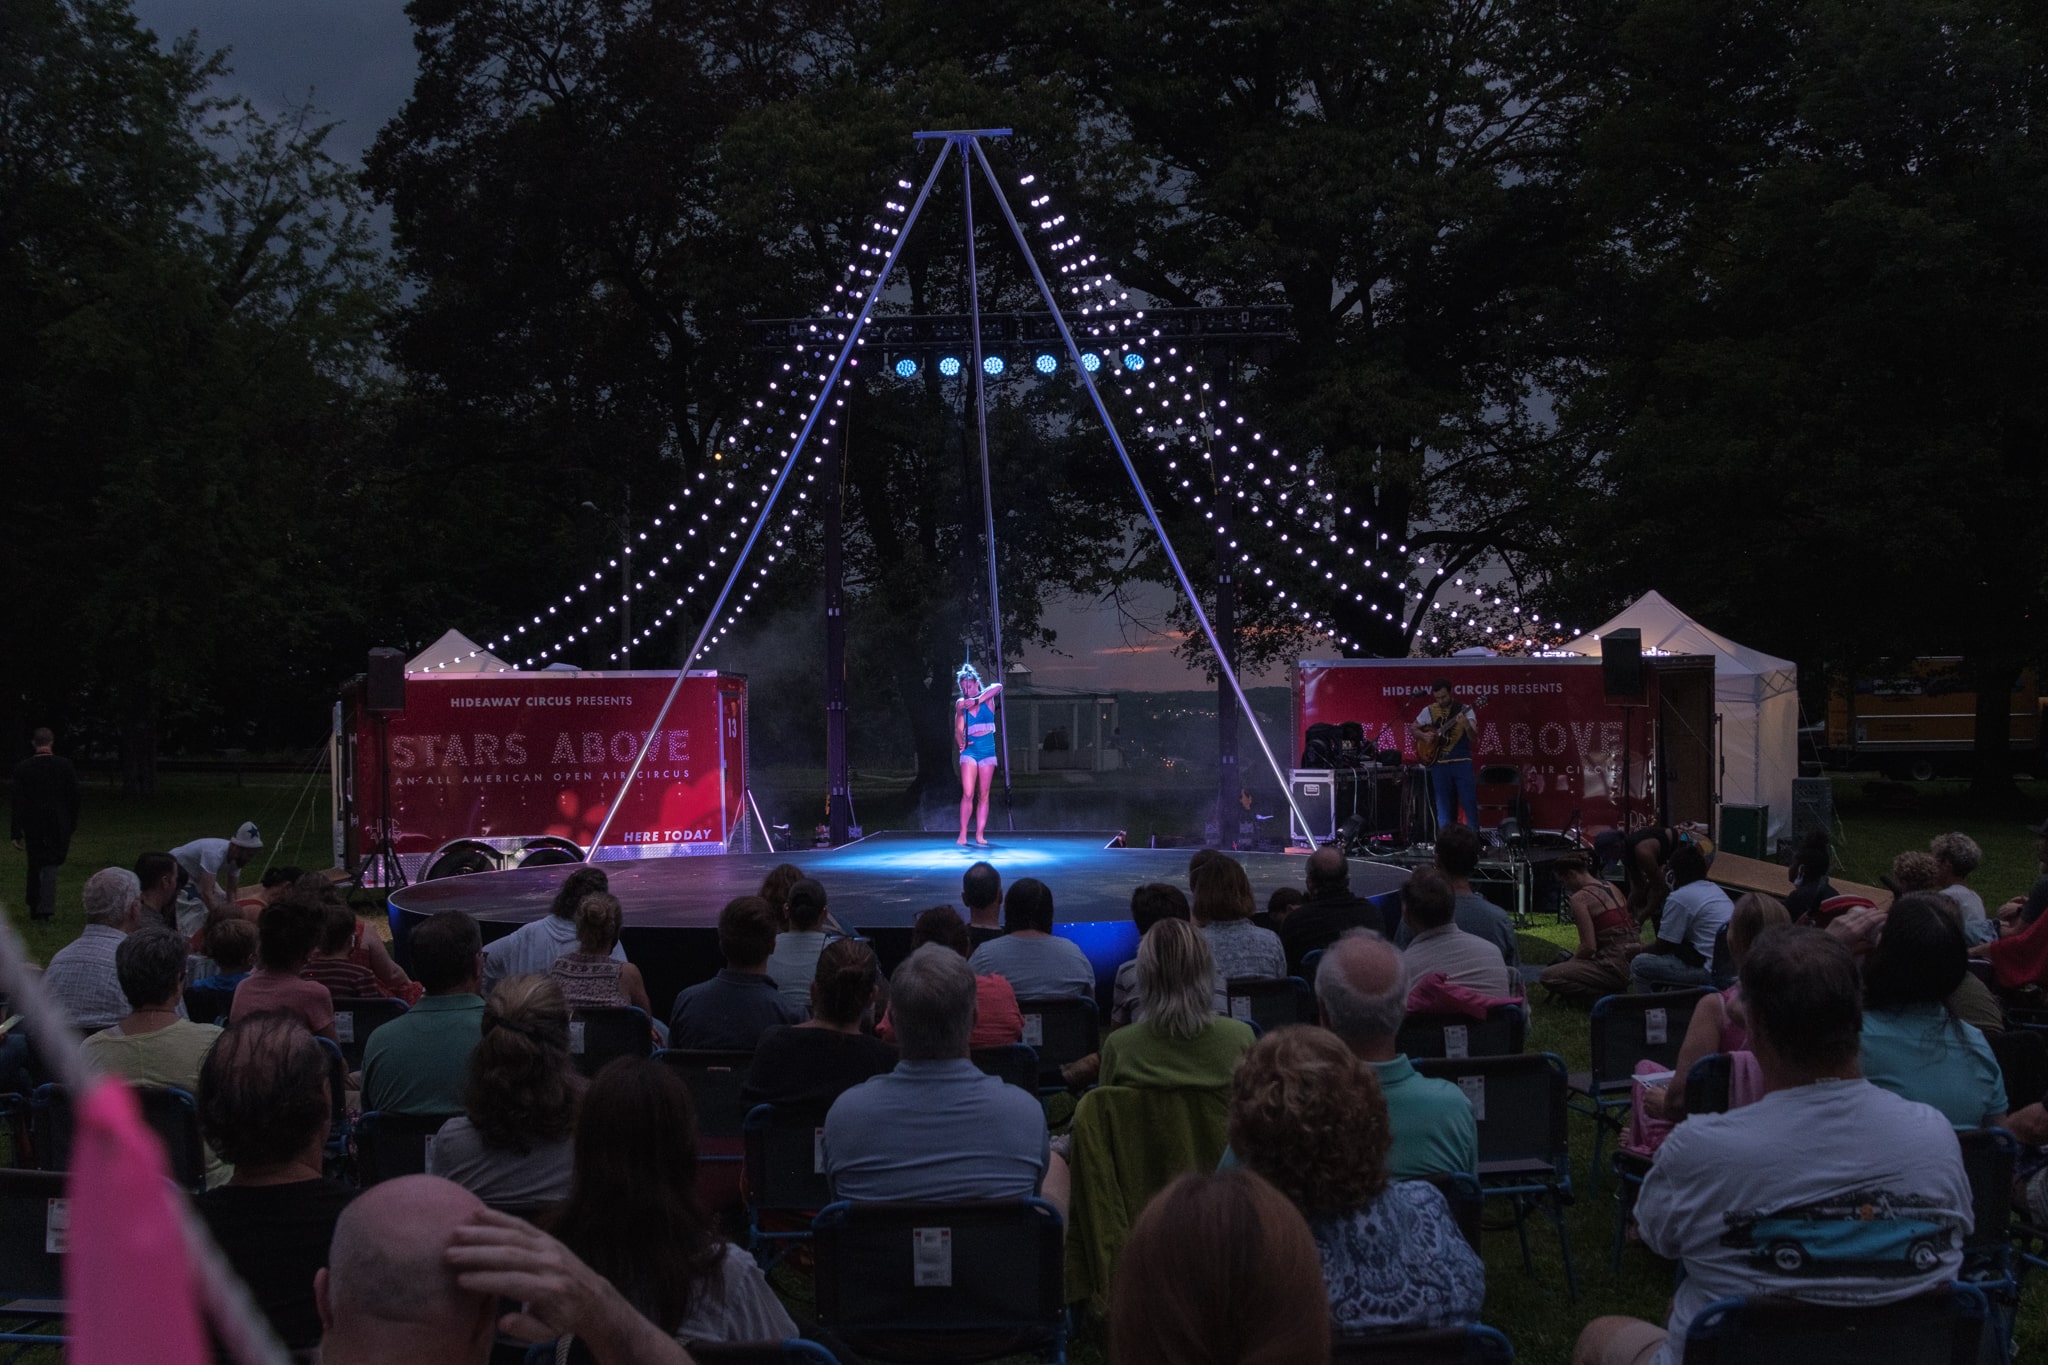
{"x": 1531, "y": 1307}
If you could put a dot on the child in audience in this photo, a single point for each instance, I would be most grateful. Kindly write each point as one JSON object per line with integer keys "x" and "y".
{"x": 230, "y": 953}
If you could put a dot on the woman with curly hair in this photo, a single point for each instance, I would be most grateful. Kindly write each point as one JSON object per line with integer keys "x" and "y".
{"x": 1178, "y": 1042}
{"x": 511, "y": 1146}
{"x": 1308, "y": 1115}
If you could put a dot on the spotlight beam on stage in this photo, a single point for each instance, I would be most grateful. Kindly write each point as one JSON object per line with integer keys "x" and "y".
{"x": 796, "y": 451}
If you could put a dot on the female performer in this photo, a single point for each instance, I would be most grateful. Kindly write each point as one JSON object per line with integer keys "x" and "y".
{"x": 974, "y": 730}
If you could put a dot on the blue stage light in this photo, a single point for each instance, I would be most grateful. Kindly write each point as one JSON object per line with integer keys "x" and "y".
{"x": 1090, "y": 361}
{"x": 906, "y": 368}
{"x": 1046, "y": 362}
{"x": 991, "y": 365}
{"x": 1134, "y": 362}
{"x": 949, "y": 365}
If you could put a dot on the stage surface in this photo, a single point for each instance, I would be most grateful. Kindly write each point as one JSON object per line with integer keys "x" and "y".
{"x": 876, "y": 886}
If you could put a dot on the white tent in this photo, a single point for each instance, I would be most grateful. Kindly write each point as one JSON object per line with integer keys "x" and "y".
{"x": 1756, "y": 696}
{"x": 456, "y": 653}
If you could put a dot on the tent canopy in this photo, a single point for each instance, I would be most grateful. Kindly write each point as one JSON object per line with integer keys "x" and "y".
{"x": 1756, "y": 695}
{"x": 456, "y": 653}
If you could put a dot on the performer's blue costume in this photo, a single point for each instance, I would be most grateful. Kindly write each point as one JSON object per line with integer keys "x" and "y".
{"x": 981, "y": 734}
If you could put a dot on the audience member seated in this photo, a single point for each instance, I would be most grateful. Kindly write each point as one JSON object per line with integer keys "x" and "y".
{"x": 1219, "y": 1270}
{"x": 419, "y": 1062}
{"x": 1608, "y": 937}
{"x": 330, "y": 966}
{"x": 1036, "y": 964}
{"x": 418, "y": 1266}
{"x": 593, "y": 977}
{"x": 775, "y": 890}
{"x": 510, "y": 1146}
{"x": 1694, "y": 913}
{"x": 1178, "y": 1041}
{"x": 1279, "y": 906}
{"x": 1437, "y": 944}
{"x": 2019, "y": 955}
{"x": 1150, "y": 904}
{"x": 82, "y": 976}
{"x": 997, "y": 1020}
{"x": 811, "y": 1064}
{"x": 1808, "y": 874}
{"x": 285, "y": 934}
{"x": 153, "y": 1044}
{"x": 633, "y": 1216}
{"x": 1307, "y": 1115}
{"x": 1717, "y": 1021}
{"x": 1223, "y": 906}
{"x": 263, "y": 1106}
{"x": 981, "y": 892}
{"x": 731, "y": 1011}
{"x": 365, "y": 949}
{"x": 1327, "y": 910}
{"x": 277, "y": 881}
{"x": 795, "y": 958}
{"x": 1882, "y": 1168}
{"x": 1362, "y": 993}
{"x": 157, "y": 876}
{"x": 1457, "y": 857}
{"x": 230, "y": 947}
{"x": 533, "y": 948}
{"x": 937, "y": 1128}
{"x": 1913, "y": 871}
{"x": 1956, "y": 856}
{"x": 1912, "y": 1045}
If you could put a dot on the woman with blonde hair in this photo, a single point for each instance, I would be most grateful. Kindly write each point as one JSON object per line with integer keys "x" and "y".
{"x": 1223, "y": 907}
{"x": 590, "y": 977}
{"x": 512, "y": 1146}
{"x": 1307, "y": 1114}
{"x": 1219, "y": 1270}
{"x": 1178, "y": 1042}
{"x": 1717, "y": 1021}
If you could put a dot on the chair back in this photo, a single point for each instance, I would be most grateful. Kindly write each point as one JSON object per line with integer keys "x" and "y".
{"x": 715, "y": 1080}
{"x": 791, "y": 1351}
{"x": 1707, "y": 1084}
{"x": 34, "y": 1220}
{"x": 785, "y": 1155}
{"x": 1270, "y": 1002}
{"x": 392, "y": 1145}
{"x": 1462, "y": 1191}
{"x": 1060, "y": 1029}
{"x": 597, "y": 1034}
{"x": 1501, "y": 1033}
{"x": 1310, "y": 961}
{"x": 942, "y": 1282}
{"x": 356, "y": 1019}
{"x": 208, "y": 1004}
{"x": 1519, "y": 1105}
{"x": 1990, "y": 1156}
{"x": 1473, "y": 1345}
{"x": 170, "y": 1113}
{"x": 1944, "y": 1326}
{"x": 1013, "y": 1064}
{"x": 2022, "y": 1056}
{"x": 1631, "y": 1028}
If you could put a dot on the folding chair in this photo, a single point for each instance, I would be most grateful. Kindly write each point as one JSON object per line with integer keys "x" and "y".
{"x": 1944, "y": 1326}
{"x": 171, "y": 1114}
{"x": 1467, "y": 1200}
{"x": 1015, "y": 1064}
{"x": 2022, "y": 1056}
{"x": 1310, "y": 961}
{"x": 336, "y": 1157}
{"x": 1706, "y": 1092}
{"x": 34, "y": 1221}
{"x": 1061, "y": 1029}
{"x": 392, "y": 1145}
{"x": 1473, "y": 1345}
{"x": 1270, "y": 1002}
{"x": 205, "y": 1005}
{"x": 1628, "y": 1029}
{"x": 791, "y": 1351}
{"x": 1499, "y": 1034}
{"x": 355, "y": 1020}
{"x": 1519, "y": 1105}
{"x": 597, "y": 1035}
{"x": 785, "y": 1157}
{"x": 1990, "y": 1156}
{"x": 715, "y": 1080}
{"x": 942, "y": 1282}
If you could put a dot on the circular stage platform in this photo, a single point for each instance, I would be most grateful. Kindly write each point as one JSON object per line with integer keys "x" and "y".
{"x": 877, "y": 885}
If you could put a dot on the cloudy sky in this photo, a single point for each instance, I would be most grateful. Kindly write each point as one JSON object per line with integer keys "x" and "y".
{"x": 354, "y": 60}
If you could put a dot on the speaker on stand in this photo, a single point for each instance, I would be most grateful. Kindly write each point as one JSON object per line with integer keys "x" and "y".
{"x": 383, "y": 698}
{"x": 1621, "y": 680}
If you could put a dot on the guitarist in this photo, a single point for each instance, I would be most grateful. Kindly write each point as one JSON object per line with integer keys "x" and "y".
{"x": 1443, "y": 741}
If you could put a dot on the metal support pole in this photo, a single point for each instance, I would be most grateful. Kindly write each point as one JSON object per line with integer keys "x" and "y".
{"x": 837, "y": 780}
{"x": 988, "y": 506}
{"x": 1228, "y": 782}
{"x": 796, "y": 451}
{"x": 1180, "y": 572}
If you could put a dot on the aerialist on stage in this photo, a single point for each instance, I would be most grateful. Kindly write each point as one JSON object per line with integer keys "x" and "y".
{"x": 974, "y": 731}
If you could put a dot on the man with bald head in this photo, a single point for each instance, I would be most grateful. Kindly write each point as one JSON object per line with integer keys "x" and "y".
{"x": 1327, "y": 910}
{"x": 417, "y": 1268}
{"x": 1362, "y": 993}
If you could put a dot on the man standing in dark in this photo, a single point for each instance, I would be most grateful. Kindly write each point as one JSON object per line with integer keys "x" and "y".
{"x": 45, "y": 817}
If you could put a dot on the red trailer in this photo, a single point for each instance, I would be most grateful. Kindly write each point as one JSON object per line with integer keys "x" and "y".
{"x": 490, "y": 770}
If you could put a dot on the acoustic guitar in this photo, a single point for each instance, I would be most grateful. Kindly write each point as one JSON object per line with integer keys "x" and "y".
{"x": 1434, "y": 741}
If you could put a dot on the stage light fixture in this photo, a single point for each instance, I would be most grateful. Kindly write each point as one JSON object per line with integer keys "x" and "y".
{"x": 991, "y": 365}
{"x": 949, "y": 365}
{"x": 1134, "y": 362}
{"x": 906, "y": 368}
{"x": 1090, "y": 361}
{"x": 1046, "y": 362}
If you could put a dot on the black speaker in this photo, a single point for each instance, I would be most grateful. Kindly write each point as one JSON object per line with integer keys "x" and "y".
{"x": 1621, "y": 665}
{"x": 384, "y": 683}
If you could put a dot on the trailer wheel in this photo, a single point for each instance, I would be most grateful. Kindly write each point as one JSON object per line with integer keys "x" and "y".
{"x": 460, "y": 860}
{"x": 1921, "y": 770}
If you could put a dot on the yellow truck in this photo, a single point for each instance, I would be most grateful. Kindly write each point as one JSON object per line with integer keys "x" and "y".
{"x": 1921, "y": 722}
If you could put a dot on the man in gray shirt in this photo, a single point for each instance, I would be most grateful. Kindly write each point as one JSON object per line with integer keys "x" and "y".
{"x": 1457, "y": 857}
{"x": 1036, "y": 964}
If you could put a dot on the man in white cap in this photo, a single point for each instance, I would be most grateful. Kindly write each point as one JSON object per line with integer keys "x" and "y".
{"x": 213, "y": 868}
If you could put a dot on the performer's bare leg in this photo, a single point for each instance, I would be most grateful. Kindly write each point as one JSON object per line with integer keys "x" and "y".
{"x": 968, "y": 771}
{"x": 986, "y": 777}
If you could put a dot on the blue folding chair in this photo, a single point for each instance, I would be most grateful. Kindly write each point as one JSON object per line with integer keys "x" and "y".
{"x": 785, "y": 1176}
{"x": 33, "y": 1221}
{"x": 1472, "y": 1345}
{"x": 1706, "y": 1092}
{"x": 1944, "y": 1326}
{"x": 1627, "y": 1029}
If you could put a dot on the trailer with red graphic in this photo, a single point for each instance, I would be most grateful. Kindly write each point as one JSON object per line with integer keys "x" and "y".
{"x": 481, "y": 771}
